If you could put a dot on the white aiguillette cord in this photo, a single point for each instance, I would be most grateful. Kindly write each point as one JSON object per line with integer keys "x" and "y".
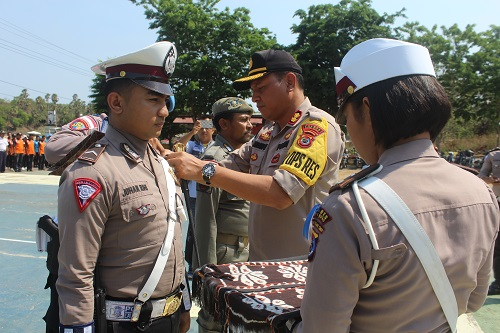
{"x": 419, "y": 241}
{"x": 161, "y": 261}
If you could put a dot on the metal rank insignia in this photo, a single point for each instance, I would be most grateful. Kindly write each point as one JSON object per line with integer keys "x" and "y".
{"x": 179, "y": 147}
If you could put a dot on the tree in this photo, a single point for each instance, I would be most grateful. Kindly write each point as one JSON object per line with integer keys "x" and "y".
{"x": 214, "y": 48}
{"x": 325, "y": 34}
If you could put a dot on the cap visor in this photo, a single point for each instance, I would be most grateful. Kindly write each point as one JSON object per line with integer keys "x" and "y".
{"x": 244, "y": 83}
{"x": 161, "y": 88}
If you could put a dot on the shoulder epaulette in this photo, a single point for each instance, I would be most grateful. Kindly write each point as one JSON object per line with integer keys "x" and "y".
{"x": 93, "y": 153}
{"x": 346, "y": 183}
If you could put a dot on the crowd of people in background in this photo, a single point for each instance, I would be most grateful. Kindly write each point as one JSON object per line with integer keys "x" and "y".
{"x": 20, "y": 152}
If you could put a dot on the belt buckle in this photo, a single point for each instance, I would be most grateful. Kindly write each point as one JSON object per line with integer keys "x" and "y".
{"x": 172, "y": 304}
{"x": 136, "y": 310}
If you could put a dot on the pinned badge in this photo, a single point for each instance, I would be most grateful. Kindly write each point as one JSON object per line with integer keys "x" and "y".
{"x": 253, "y": 157}
{"x": 144, "y": 209}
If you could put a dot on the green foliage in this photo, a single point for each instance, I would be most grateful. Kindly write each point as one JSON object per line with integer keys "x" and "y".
{"x": 214, "y": 48}
{"x": 325, "y": 34}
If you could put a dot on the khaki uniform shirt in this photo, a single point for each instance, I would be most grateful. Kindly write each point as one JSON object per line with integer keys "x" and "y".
{"x": 114, "y": 212}
{"x": 456, "y": 210}
{"x": 491, "y": 167}
{"x": 71, "y": 135}
{"x": 218, "y": 211}
{"x": 303, "y": 158}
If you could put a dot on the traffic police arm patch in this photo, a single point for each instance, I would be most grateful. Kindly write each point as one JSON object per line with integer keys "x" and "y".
{"x": 307, "y": 156}
{"x": 86, "y": 190}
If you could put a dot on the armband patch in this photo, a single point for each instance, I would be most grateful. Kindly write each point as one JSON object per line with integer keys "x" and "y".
{"x": 307, "y": 156}
{"x": 83, "y": 123}
{"x": 86, "y": 190}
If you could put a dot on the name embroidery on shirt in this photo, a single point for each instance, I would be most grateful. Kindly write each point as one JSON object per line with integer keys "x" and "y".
{"x": 135, "y": 189}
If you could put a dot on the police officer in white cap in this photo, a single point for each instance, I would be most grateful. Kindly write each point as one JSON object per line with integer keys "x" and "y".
{"x": 119, "y": 212}
{"x": 365, "y": 273}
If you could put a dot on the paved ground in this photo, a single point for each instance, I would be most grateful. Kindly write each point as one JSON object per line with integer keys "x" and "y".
{"x": 26, "y": 196}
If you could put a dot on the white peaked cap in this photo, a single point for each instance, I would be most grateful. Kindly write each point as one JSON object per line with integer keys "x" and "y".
{"x": 379, "y": 59}
{"x": 150, "y": 67}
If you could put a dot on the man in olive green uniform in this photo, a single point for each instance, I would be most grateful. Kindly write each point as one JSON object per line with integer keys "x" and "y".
{"x": 119, "y": 212}
{"x": 221, "y": 227}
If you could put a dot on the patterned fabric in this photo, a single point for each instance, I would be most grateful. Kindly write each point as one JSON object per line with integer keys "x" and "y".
{"x": 251, "y": 296}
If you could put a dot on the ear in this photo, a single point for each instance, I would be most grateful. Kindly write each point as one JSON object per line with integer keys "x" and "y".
{"x": 290, "y": 80}
{"x": 223, "y": 123}
{"x": 115, "y": 102}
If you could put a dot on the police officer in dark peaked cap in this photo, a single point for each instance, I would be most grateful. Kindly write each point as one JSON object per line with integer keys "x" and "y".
{"x": 119, "y": 211}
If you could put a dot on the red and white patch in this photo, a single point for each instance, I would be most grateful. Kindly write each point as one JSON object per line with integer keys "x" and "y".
{"x": 82, "y": 124}
{"x": 85, "y": 191}
{"x": 309, "y": 132}
{"x": 144, "y": 209}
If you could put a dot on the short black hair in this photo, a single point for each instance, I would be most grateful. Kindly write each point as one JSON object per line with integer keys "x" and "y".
{"x": 300, "y": 78}
{"x": 403, "y": 107}
{"x": 225, "y": 115}
{"x": 120, "y": 86}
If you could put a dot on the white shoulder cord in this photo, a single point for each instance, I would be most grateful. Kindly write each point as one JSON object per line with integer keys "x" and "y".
{"x": 419, "y": 241}
{"x": 161, "y": 261}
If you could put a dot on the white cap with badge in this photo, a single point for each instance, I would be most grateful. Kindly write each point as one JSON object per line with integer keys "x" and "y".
{"x": 379, "y": 59}
{"x": 150, "y": 67}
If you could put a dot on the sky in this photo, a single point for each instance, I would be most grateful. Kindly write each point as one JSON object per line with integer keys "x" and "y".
{"x": 49, "y": 46}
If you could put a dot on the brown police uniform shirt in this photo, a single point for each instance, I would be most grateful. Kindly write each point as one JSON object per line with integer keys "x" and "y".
{"x": 113, "y": 211}
{"x": 71, "y": 135}
{"x": 458, "y": 213}
{"x": 491, "y": 167}
{"x": 303, "y": 157}
{"x": 218, "y": 211}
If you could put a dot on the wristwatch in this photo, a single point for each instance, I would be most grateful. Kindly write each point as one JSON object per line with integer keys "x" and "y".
{"x": 208, "y": 171}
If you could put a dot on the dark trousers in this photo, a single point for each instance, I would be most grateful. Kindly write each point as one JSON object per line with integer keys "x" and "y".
{"x": 3, "y": 160}
{"x": 41, "y": 162}
{"x": 496, "y": 260}
{"x": 29, "y": 163}
{"x": 189, "y": 238}
{"x": 19, "y": 162}
{"x": 163, "y": 325}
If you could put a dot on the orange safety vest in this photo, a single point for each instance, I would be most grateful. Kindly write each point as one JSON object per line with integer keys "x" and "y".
{"x": 31, "y": 147}
{"x": 11, "y": 147}
{"x": 20, "y": 146}
{"x": 41, "y": 148}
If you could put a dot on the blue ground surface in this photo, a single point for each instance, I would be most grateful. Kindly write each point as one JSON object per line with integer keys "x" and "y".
{"x": 23, "y": 299}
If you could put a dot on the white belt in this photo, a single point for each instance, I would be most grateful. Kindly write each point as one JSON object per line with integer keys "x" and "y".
{"x": 122, "y": 311}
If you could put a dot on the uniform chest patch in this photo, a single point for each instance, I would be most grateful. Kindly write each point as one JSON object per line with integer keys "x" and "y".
{"x": 254, "y": 157}
{"x": 276, "y": 158}
{"x": 265, "y": 136}
{"x": 85, "y": 191}
{"x": 307, "y": 156}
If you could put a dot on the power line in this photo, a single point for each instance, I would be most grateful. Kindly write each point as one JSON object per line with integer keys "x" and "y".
{"x": 9, "y": 24}
{"x": 39, "y": 57}
{"x": 42, "y": 92}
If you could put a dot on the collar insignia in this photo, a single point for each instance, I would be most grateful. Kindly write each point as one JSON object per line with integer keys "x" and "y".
{"x": 130, "y": 152}
{"x": 296, "y": 116}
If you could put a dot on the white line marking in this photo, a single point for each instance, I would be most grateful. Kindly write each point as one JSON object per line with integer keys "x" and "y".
{"x": 17, "y": 240}
{"x": 21, "y": 255}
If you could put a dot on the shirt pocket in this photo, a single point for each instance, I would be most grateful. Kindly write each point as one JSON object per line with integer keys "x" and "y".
{"x": 140, "y": 224}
